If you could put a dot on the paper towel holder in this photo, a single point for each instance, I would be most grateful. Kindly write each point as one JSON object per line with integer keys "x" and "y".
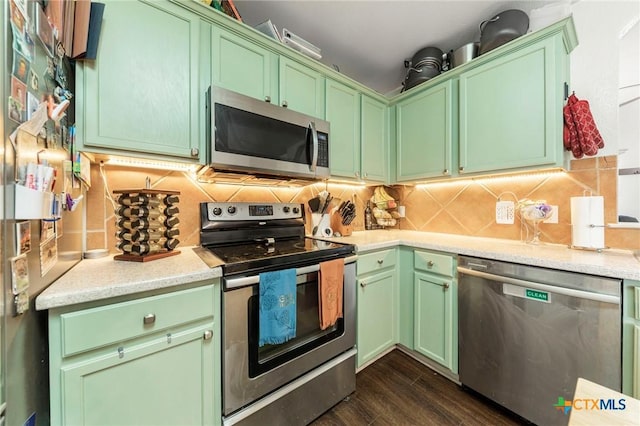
{"x": 587, "y": 193}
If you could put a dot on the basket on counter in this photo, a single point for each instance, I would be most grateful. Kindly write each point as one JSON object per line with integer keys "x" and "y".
{"x": 146, "y": 224}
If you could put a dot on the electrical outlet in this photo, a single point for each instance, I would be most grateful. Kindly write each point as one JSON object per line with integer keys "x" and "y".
{"x": 554, "y": 215}
{"x": 505, "y": 212}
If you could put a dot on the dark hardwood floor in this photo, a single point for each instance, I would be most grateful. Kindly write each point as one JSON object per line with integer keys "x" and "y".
{"x": 398, "y": 390}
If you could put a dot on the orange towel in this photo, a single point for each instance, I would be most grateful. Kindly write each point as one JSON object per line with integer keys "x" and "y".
{"x": 330, "y": 283}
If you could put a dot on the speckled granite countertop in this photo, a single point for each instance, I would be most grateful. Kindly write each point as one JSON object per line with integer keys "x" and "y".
{"x": 105, "y": 278}
{"x": 96, "y": 279}
{"x": 608, "y": 263}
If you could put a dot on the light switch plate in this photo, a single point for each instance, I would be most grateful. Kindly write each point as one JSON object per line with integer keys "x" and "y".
{"x": 505, "y": 212}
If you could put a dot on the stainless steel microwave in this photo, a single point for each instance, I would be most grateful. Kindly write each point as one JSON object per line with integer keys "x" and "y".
{"x": 252, "y": 136}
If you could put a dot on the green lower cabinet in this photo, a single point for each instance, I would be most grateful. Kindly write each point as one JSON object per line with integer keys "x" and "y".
{"x": 434, "y": 318}
{"x": 636, "y": 362}
{"x": 631, "y": 338}
{"x": 377, "y": 315}
{"x": 151, "y": 360}
{"x": 150, "y": 382}
{"x": 406, "y": 297}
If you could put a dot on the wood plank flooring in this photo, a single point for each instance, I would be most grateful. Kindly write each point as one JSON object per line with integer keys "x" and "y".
{"x": 398, "y": 390}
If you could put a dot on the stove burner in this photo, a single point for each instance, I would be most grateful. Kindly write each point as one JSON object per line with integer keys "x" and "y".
{"x": 253, "y": 243}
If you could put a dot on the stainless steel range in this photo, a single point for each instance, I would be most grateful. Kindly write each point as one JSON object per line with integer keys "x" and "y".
{"x": 273, "y": 383}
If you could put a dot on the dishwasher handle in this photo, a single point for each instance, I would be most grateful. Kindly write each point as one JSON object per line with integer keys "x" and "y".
{"x": 606, "y": 298}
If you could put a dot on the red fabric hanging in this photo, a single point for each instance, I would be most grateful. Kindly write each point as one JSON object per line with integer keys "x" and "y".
{"x": 580, "y": 135}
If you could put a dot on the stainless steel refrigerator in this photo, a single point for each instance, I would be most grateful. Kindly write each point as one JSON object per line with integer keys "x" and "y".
{"x": 24, "y": 375}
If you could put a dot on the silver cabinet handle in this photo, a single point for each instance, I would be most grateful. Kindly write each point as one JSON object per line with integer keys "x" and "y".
{"x": 357, "y": 174}
{"x": 445, "y": 172}
{"x": 195, "y": 152}
{"x": 267, "y": 99}
{"x": 461, "y": 168}
{"x": 366, "y": 174}
{"x": 149, "y": 319}
{"x": 208, "y": 335}
{"x": 285, "y": 104}
{"x": 380, "y": 261}
{"x": 430, "y": 264}
{"x": 444, "y": 285}
{"x": 363, "y": 284}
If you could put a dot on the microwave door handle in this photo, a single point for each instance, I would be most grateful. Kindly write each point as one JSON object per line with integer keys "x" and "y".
{"x": 314, "y": 148}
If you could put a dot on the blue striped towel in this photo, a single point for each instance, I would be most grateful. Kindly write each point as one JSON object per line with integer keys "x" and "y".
{"x": 277, "y": 307}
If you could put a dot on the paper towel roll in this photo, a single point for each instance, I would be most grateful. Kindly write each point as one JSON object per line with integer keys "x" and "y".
{"x": 587, "y": 222}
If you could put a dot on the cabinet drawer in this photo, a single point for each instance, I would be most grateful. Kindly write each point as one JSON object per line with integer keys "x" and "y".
{"x": 432, "y": 262}
{"x": 104, "y": 325}
{"x": 376, "y": 261}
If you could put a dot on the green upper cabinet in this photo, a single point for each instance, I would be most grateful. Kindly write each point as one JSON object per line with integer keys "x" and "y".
{"x": 145, "y": 92}
{"x": 359, "y": 149}
{"x": 374, "y": 140}
{"x": 511, "y": 110}
{"x": 343, "y": 113}
{"x": 424, "y": 134}
{"x": 243, "y": 66}
{"x": 301, "y": 88}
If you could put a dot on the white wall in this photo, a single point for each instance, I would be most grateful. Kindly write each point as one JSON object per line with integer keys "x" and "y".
{"x": 606, "y": 59}
{"x": 595, "y": 61}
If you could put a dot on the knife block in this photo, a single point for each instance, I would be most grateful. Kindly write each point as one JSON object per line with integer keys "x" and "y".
{"x": 337, "y": 226}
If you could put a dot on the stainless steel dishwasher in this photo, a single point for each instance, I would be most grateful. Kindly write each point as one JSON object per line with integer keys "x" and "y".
{"x": 526, "y": 334}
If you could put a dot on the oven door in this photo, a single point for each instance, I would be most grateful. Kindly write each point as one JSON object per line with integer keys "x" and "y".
{"x": 251, "y": 372}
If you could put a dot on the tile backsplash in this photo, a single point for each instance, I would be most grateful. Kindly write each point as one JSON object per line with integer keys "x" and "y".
{"x": 465, "y": 207}
{"x": 101, "y": 220}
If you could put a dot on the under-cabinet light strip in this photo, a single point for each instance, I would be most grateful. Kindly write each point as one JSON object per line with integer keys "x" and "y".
{"x": 151, "y": 164}
{"x": 493, "y": 178}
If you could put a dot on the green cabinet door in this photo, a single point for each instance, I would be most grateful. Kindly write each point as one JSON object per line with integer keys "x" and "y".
{"x": 164, "y": 381}
{"x": 374, "y": 140}
{"x": 144, "y": 94}
{"x": 636, "y": 362}
{"x": 424, "y": 134}
{"x": 243, "y": 66}
{"x": 376, "y": 329}
{"x": 343, "y": 112}
{"x": 301, "y": 88}
{"x": 511, "y": 110}
{"x": 433, "y": 312}
{"x": 406, "y": 297}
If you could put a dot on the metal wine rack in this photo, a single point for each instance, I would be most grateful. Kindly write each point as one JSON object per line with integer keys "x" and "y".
{"x": 146, "y": 224}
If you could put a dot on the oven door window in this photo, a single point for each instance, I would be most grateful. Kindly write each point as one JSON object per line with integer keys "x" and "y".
{"x": 308, "y": 332}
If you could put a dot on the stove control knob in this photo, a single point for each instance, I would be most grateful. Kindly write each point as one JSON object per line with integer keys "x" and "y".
{"x": 231, "y": 209}
{"x": 296, "y": 210}
{"x": 286, "y": 209}
{"x": 217, "y": 211}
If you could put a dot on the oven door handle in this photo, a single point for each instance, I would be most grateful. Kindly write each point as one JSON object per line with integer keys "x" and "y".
{"x": 255, "y": 279}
